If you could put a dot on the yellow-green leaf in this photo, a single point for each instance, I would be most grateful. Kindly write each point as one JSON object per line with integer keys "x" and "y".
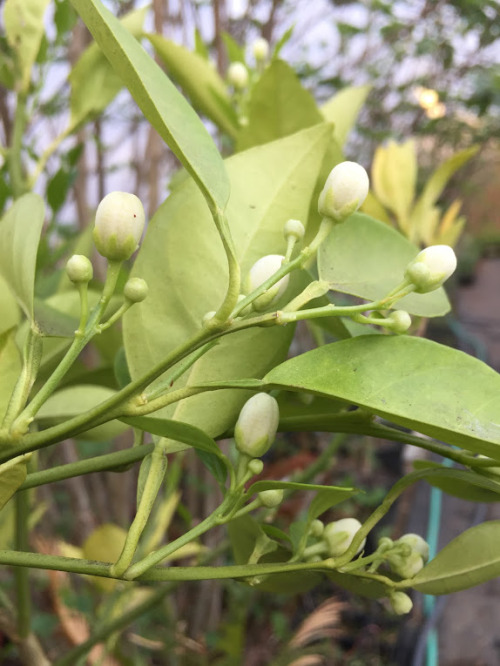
{"x": 343, "y": 110}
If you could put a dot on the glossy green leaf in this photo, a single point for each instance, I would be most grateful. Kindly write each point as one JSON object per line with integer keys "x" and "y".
{"x": 470, "y": 559}
{"x": 10, "y": 367}
{"x": 366, "y": 258}
{"x": 10, "y": 314}
{"x": 337, "y": 494}
{"x": 20, "y": 230}
{"x": 413, "y": 382}
{"x": 465, "y": 484}
{"x": 24, "y": 29}
{"x": 200, "y": 82}
{"x": 343, "y": 109}
{"x": 304, "y": 412}
{"x": 11, "y": 477}
{"x": 183, "y": 262}
{"x": 279, "y": 106}
{"x": 326, "y": 498}
{"x": 159, "y": 100}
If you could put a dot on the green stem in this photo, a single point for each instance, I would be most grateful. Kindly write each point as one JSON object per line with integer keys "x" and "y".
{"x": 27, "y": 415}
{"x": 108, "y": 462}
{"x": 31, "y": 363}
{"x": 233, "y": 290}
{"x": 17, "y": 179}
{"x": 44, "y": 157}
{"x": 22, "y": 575}
{"x": 157, "y": 574}
{"x": 156, "y": 475}
{"x": 83, "y": 289}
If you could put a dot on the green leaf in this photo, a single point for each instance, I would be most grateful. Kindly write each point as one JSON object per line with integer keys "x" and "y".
{"x": 94, "y": 83}
{"x": 235, "y": 52}
{"x": 366, "y": 258}
{"x": 334, "y": 494}
{"x": 342, "y": 110}
{"x": 326, "y": 498}
{"x": 279, "y": 106}
{"x": 183, "y": 262}
{"x": 159, "y": 100}
{"x": 465, "y": 485}
{"x": 24, "y": 29}
{"x": 470, "y": 559}
{"x": 11, "y": 477}
{"x": 10, "y": 367}
{"x": 10, "y": 314}
{"x": 20, "y": 230}
{"x": 52, "y": 322}
{"x": 413, "y": 382}
{"x": 365, "y": 587}
{"x": 285, "y": 37}
{"x": 298, "y": 413}
{"x": 200, "y": 82}
{"x": 74, "y": 400}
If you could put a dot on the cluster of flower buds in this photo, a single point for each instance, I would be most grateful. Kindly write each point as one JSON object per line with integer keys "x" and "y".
{"x": 119, "y": 223}
{"x": 431, "y": 267}
{"x": 406, "y": 556}
{"x": 257, "y": 425}
{"x": 339, "y": 535}
{"x": 345, "y": 190}
{"x": 261, "y": 271}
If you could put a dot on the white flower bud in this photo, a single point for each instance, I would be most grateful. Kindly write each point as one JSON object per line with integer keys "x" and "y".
{"x": 119, "y": 223}
{"x": 339, "y": 535}
{"x": 237, "y": 75}
{"x": 431, "y": 267}
{"x": 260, "y": 49}
{"x": 399, "y": 321}
{"x": 135, "y": 290}
{"x": 406, "y": 566}
{"x": 417, "y": 544}
{"x": 345, "y": 190}
{"x": 79, "y": 269}
{"x": 294, "y": 229}
{"x": 271, "y": 498}
{"x": 261, "y": 271}
{"x": 257, "y": 424}
{"x": 401, "y": 603}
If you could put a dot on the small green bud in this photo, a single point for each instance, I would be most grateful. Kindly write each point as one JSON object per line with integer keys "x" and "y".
{"x": 339, "y": 535}
{"x": 317, "y": 528}
{"x": 401, "y": 603}
{"x": 260, "y": 49}
{"x": 79, "y": 269}
{"x": 406, "y": 566}
{"x": 271, "y": 498}
{"x": 119, "y": 223}
{"x": 135, "y": 290}
{"x": 208, "y": 316}
{"x": 237, "y": 75}
{"x": 431, "y": 267}
{"x": 345, "y": 190}
{"x": 399, "y": 321}
{"x": 491, "y": 472}
{"x": 261, "y": 271}
{"x": 294, "y": 229}
{"x": 255, "y": 466}
{"x": 417, "y": 544}
{"x": 257, "y": 424}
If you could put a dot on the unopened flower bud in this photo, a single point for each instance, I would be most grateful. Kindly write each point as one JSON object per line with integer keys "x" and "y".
{"x": 317, "y": 528}
{"x": 79, "y": 269}
{"x": 401, "y": 603}
{"x": 417, "y": 544}
{"x": 431, "y": 267}
{"x": 261, "y": 271}
{"x": 339, "y": 535}
{"x": 271, "y": 498}
{"x": 399, "y": 321}
{"x": 406, "y": 566}
{"x": 119, "y": 223}
{"x": 257, "y": 424}
{"x": 255, "y": 466}
{"x": 260, "y": 49}
{"x": 208, "y": 316}
{"x": 135, "y": 290}
{"x": 345, "y": 190}
{"x": 491, "y": 472}
{"x": 237, "y": 75}
{"x": 294, "y": 229}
